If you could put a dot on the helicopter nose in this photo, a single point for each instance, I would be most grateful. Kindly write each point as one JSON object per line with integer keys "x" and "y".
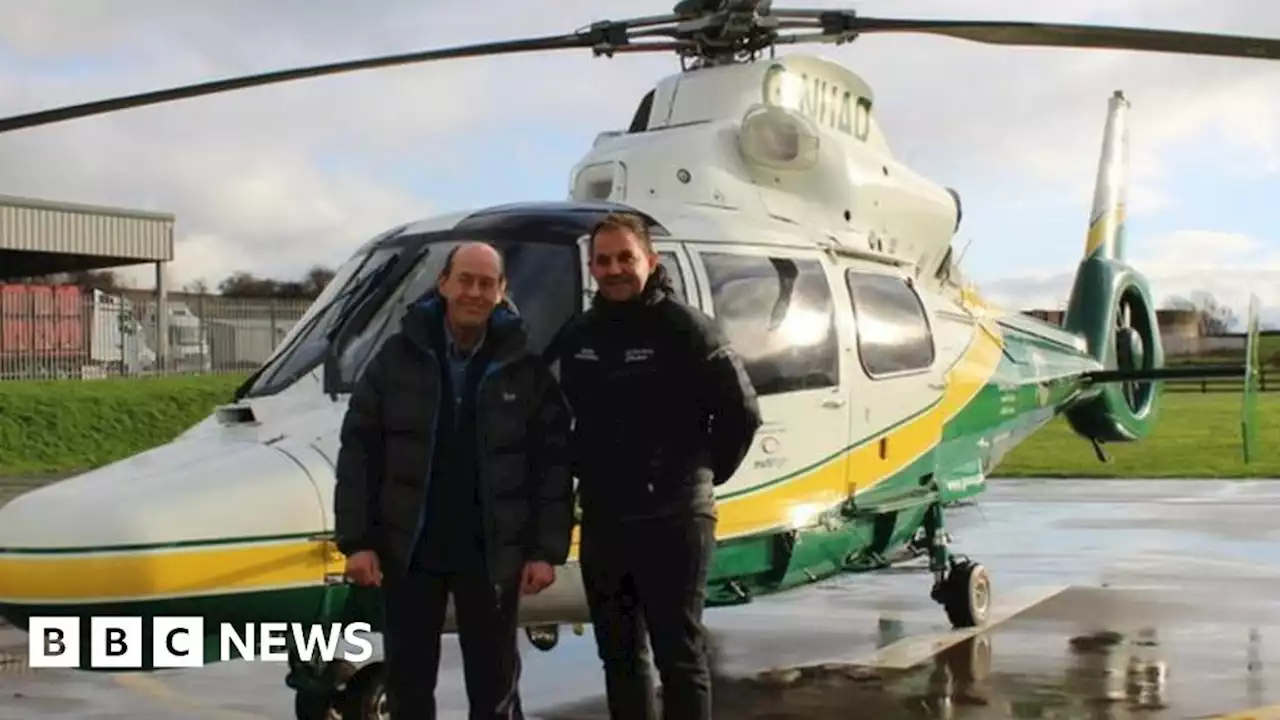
{"x": 163, "y": 530}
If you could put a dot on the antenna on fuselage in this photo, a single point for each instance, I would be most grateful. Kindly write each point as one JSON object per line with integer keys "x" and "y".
{"x": 960, "y": 259}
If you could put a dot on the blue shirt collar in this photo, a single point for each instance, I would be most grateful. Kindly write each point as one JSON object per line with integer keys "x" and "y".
{"x": 455, "y": 350}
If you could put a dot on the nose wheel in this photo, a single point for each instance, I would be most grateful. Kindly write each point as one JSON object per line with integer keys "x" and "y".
{"x": 362, "y": 695}
{"x": 319, "y": 691}
{"x": 366, "y": 696}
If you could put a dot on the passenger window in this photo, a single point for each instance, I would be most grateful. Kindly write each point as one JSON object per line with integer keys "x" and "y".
{"x": 669, "y": 261}
{"x": 777, "y": 313}
{"x": 893, "y": 328}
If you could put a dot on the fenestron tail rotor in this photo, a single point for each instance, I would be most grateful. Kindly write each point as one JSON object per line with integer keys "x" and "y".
{"x": 711, "y": 32}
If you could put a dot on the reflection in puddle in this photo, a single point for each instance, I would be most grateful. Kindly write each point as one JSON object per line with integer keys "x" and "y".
{"x": 1110, "y": 676}
{"x": 1253, "y": 669}
{"x": 1107, "y": 675}
{"x": 957, "y": 679}
{"x": 954, "y": 678}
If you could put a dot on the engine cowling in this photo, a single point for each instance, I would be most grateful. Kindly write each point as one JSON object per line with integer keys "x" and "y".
{"x": 1111, "y": 307}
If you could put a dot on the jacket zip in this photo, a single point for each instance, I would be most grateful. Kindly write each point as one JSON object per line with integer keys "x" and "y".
{"x": 487, "y": 517}
{"x": 431, "y": 459}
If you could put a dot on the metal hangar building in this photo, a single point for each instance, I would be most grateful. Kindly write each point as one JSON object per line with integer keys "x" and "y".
{"x": 42, "y": 237}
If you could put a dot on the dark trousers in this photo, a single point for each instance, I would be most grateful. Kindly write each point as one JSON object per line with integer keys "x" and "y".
{"x": 486, "y": 622}
{"x": 649, "y": 578}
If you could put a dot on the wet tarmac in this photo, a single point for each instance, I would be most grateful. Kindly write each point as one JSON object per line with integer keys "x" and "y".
{"x": 1112, "y": 599}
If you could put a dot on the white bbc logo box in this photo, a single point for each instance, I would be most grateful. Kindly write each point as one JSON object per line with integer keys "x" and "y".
{"x": 115, "y": 642}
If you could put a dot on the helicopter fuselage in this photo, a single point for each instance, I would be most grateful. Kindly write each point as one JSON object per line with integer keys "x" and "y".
{"x": 881, "y": 400}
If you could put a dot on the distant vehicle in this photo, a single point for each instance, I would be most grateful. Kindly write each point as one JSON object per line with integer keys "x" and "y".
{"x": 189, "y": 338}
{"x": 69, "y": 332}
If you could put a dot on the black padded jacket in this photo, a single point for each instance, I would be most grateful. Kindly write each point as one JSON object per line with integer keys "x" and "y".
{"x": 663, "y": 409}
{"x": 521, "y": 421}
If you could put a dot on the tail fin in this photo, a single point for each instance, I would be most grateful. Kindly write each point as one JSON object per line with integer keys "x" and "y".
{"x": 1111, "y": 305}
{"x": 1111, "y": 308}
{"x": 1111, "y": 189}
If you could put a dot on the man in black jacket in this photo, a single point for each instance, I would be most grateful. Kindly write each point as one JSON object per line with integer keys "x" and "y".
{"x": 452, "y": 477}
{"x": 664, "y": 412}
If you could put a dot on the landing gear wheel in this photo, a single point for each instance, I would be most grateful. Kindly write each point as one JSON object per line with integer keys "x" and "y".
{"x": 315, "y": 707}
{"x": 366, "y": 696}
{"x": 543, "y": 637}
{"x": 326, "y": 705}
{"x": 965, "y": 594}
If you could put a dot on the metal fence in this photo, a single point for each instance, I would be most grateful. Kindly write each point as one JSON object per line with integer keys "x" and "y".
{"x": 69, "y": 332}
{"x": 52, "y": 331}
{"x": 1176, "y": 346}
{"x": 1266, "y": 383}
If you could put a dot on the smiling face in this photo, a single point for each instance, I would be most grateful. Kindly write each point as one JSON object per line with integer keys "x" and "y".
{"x": 473, "y": 286}
{"x": 621, "y": 263}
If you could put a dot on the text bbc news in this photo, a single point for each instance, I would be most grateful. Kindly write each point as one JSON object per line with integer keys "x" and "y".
{"x": 179, "y": 642}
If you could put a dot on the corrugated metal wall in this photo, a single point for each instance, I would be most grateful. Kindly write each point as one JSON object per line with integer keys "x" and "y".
{"x": 50, "y": 227}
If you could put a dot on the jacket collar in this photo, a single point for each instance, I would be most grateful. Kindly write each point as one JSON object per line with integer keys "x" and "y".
{"x": 656, "y": 289}
{"x": 505, "y": 336}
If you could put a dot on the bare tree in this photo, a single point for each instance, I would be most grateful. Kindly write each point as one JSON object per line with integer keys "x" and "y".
{"x": 248, "y": 285}
{"x": 1215, "y": 318}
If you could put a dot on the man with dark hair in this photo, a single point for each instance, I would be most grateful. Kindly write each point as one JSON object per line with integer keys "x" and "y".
{"x": 664, "y": 412}
{"x": 453, "y": 478}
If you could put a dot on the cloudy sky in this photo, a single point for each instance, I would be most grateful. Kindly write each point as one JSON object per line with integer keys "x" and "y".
{"x": 273, "y": 180}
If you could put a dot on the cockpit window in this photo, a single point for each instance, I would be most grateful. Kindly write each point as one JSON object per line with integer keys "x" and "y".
{"x": 304, "y": 347}
{"x": 542, "y": 283}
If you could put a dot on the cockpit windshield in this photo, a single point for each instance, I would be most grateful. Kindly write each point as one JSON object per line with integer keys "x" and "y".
{"x": 366, "y": 301}
{"x": 304, "y": 347}
{"x": 361, "y": 307}
{"x": 542, "y": 283}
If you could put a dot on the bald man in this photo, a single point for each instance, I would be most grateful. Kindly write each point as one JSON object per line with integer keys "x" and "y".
{"x": 452, "y": 478}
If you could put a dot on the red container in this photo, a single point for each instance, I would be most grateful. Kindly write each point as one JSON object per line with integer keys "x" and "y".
{"x": 41, "y": 322}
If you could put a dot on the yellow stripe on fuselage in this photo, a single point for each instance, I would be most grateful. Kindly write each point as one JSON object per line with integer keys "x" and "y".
{"x": 156, "y": 574}
{"x": 861, "y": 467}
{"x": 153, "y": 574}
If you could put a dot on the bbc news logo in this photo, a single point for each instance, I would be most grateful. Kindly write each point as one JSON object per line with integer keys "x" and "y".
{"x": 117, "y": 643}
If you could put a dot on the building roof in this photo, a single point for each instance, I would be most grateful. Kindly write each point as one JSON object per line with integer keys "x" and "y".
{"x": 43, "y": 236}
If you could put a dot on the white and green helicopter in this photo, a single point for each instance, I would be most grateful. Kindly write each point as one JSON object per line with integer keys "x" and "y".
{"x": 889, "y": 388}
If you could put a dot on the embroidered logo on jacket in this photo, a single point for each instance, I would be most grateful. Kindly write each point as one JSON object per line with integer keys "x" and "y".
{"x": 638, "y": 355}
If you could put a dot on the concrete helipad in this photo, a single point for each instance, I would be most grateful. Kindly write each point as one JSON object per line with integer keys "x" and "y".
{"x": 1152, "y": 599}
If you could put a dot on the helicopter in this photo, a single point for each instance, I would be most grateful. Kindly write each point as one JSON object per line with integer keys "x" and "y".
{"x": 890, "y": 389}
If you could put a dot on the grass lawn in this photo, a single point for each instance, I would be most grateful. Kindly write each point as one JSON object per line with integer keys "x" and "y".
{"x": 66, "y": 426}
{"x": 1197, "y": 435}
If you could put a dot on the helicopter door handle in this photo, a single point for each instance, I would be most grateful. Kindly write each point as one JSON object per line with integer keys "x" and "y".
{"x": 834, "y": 403}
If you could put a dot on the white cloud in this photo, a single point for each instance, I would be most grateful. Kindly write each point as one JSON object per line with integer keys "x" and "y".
{"x": 252, "y": 175}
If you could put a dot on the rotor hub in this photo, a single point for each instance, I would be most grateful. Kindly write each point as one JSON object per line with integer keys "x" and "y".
{"x": 1130, "y": 352}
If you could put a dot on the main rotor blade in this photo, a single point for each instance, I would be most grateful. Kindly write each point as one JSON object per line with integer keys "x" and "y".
{"x": 99, "y": 107}
{"x": 1078, "y": 36}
